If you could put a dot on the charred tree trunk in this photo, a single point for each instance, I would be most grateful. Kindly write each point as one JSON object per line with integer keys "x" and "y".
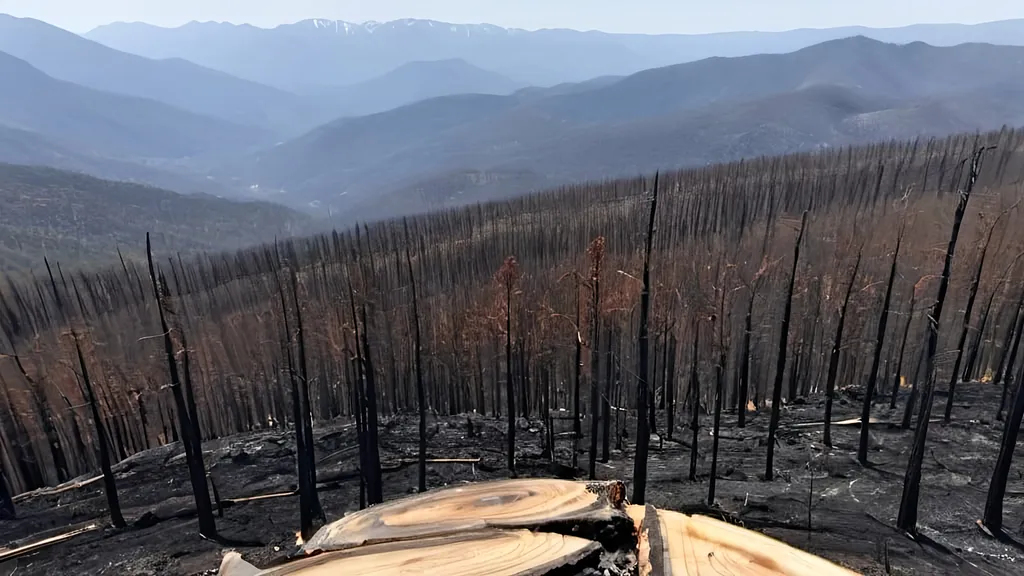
{"x": 743, "y": 386}
{"x": 971, "y": 295}
{"x": 833, "y": 359}
{"x": 193, "y": 446}
{"x": 869, "y": 391}
{"x": 374, "y": 478}
{"x": 907, "y": 519}
{"x": 305, "y": 501}
{"x": 507, "y": 278}
{"x": 903, "y": 349}
{"x": 719, "y": 392}
{"x": 694, "y": 396}
{"x": 780, "y": 366}
{"x": 1005, "y": 373}
{"x": 596, "y": 255}
{"x": 109, "y": 484}
{"x": 307, "y": 406}
{"x": 993, "y": 519}
{"x": 670, "y": 388}
{"x": 577, "y": 368}
{"x": 643, "y": 437}
{"x": 606, "y": 403}
{"x": 7, "y": 511}
{"x": 421, "y": 394}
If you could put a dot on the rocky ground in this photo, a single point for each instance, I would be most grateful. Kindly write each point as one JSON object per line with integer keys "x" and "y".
{"x": 821, "y": 500}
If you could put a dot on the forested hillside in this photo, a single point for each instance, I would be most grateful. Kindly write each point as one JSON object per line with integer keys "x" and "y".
{"x": 83, "y": 221}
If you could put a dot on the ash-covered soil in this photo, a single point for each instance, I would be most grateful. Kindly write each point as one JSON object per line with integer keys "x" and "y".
{"x": 822, "y": 500}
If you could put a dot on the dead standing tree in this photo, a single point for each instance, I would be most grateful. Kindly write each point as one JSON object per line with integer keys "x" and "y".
{"x": 421, "y": 394}
{"x": 837, "y": 344}
{"x": 596, "y": 252}
{"x": 643, "y": 437}
{"x": 780, "y": 367}
{"x": 883, "y": 319}
{"x": 907, "y": 520}
{"x": 193, "y": 446}
{"x": 506, "y": 278}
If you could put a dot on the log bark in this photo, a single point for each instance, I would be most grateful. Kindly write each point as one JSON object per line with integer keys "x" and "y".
{"x": 494, "y": 552}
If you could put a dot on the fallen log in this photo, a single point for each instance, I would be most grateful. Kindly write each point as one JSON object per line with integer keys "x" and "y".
{"x": 701, "y": 546}
{"x": 492, "y": 552}
{"x": 56, "y": 490}
{"x": 588, "y": 509}
{"x": 11, "y": 553}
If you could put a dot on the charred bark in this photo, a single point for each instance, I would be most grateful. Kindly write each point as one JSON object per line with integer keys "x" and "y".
{"x": 643, "y": 437}
{"x": 780, "y": 366}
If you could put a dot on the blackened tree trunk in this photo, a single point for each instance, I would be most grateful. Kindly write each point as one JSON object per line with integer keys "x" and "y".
{"x": 903, "y": 348}
{"x": 301, "y": 461}
{"x": 869, "y": 391}
{"x": 670, "y": 388}
{"x": 421, "y": 393}
{"x": 993, "y": 518}
{"x": 719, "y": 392}
{"x": 307, "y": 407}
{"x": 7, "y": 511}
{"x": 971, "y": 295}
{"x": 507, "y": 277}
{"x": 374, "y": 478}
{"x": 833, "y": 359}
{"x": 606, "y": 404}
{"x": 596, "y": 255}
{"x": 907, "y": 519}
{"x": 1005, "y": 373}
{"x": 743, "y": 386}
{"x": 109, "y": 484}
{"x": 193, "y": 446}
{"x": 780, "y": 366}
{"x": 643, "y": 437}
{"x": 694, "y": 396}
{"x": 577, "y": 425}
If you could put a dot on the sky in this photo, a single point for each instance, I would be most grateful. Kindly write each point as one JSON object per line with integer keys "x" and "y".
{"x": 641, "y": 16}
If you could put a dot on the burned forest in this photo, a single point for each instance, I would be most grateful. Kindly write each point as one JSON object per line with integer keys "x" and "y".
{"x": 764, "y": 342}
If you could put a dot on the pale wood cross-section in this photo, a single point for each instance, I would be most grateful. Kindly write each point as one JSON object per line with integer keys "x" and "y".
{"x": 702, "y": 546}
{"x": 533, "y": 504}
{"x": 491, "y": 552}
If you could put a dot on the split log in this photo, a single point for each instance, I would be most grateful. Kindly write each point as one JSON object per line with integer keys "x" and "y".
{"x": 493, "y": 552}
{"x": 700, "y": 546}
{"x": 11, "y": 553}
{"x": 586, "y": 509}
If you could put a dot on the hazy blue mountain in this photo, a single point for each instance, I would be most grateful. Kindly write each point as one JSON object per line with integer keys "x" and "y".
{"x": 411, "y": 83}
{"x": 29, "y": 148}
{"x": 67, "y": 56}
{"x": 329, "y": 52}
{"x": 111, "y": 124}
{"x": 839, "y": 92}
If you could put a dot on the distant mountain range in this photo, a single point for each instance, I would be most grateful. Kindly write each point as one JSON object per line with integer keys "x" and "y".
{"x": 317, "y": 52}
{"x": 840, "y": 92}
{"x": 377, "y": 120}
{"x": 79, "y": 220}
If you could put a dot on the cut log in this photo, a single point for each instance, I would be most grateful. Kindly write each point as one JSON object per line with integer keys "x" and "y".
{"x": 492, "y": 552}
{"x": 8, "y": 554}
{"x": 588, "y": 509}
{"x": 702, "y": 546}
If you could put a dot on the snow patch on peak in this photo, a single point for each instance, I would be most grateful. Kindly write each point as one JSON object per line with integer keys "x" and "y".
{"x": 371, "y": 25}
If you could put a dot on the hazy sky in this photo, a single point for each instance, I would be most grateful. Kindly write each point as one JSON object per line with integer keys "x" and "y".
{"x": 652, "y": 16}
